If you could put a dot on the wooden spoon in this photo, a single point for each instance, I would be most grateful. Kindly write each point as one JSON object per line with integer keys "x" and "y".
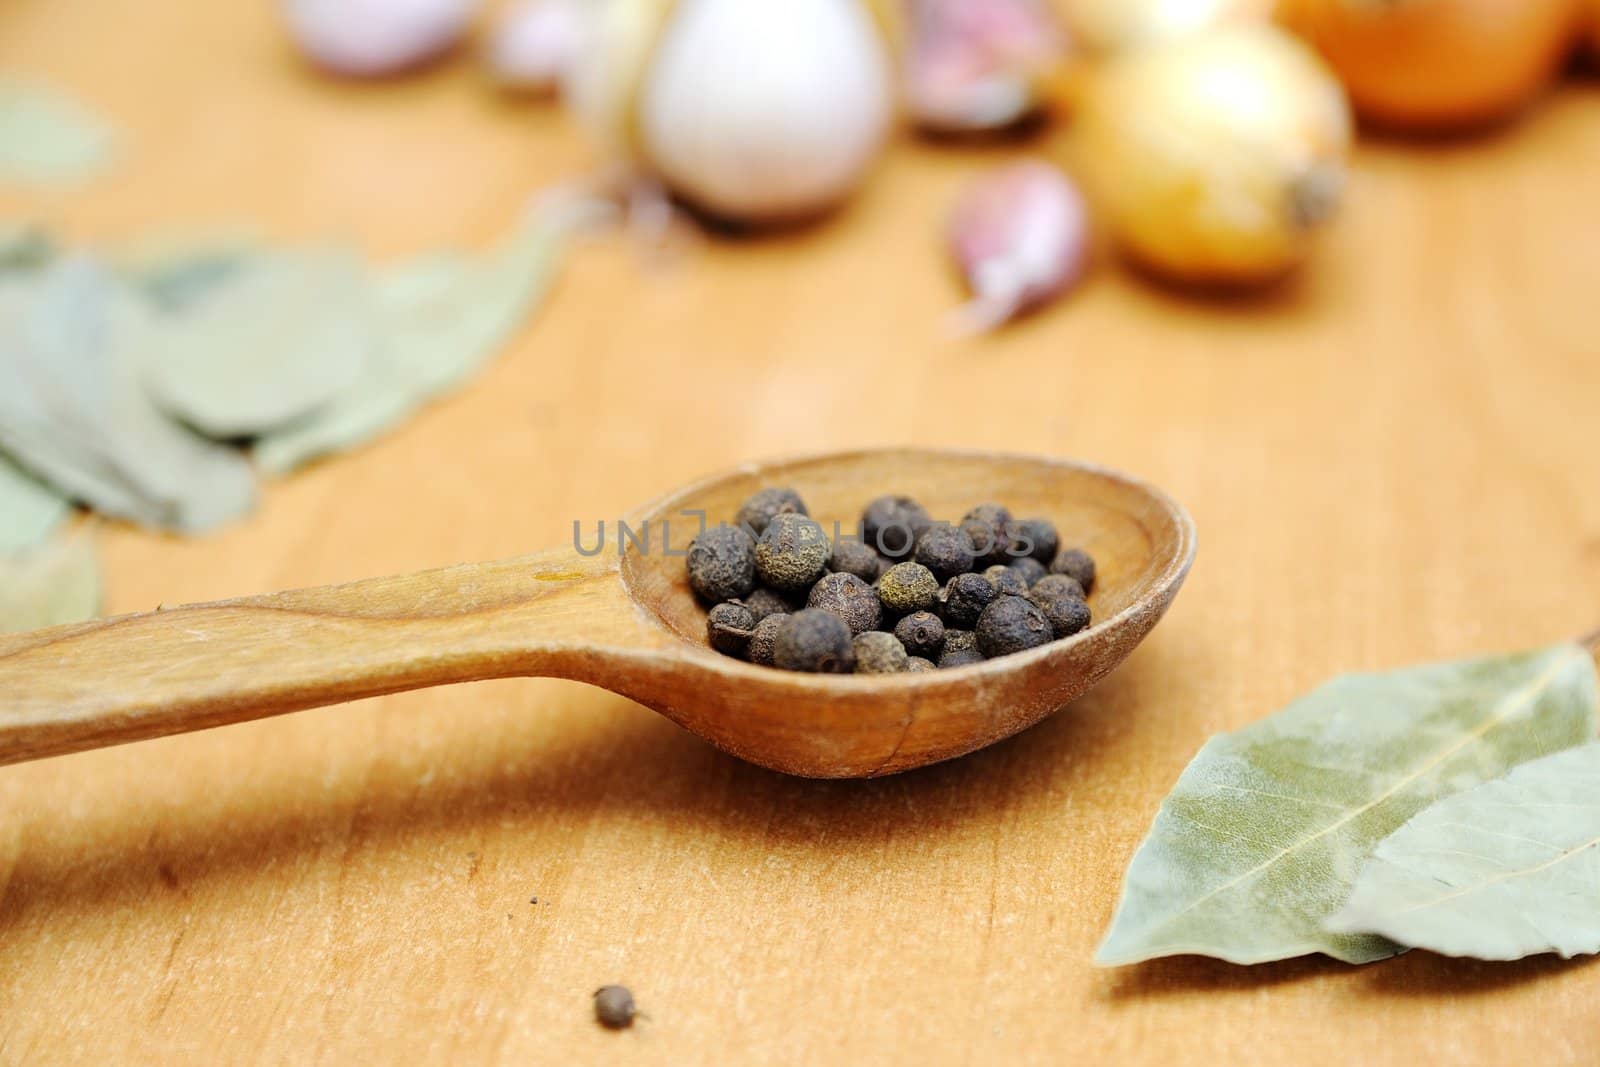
{"x": 621, "y": 619}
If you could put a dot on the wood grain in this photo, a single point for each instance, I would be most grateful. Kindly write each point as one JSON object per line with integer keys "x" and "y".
{"x": 1390, "y": 459}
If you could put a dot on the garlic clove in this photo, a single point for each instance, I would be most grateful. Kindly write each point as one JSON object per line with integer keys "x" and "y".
{"x": 372, "y": 38}
{"x": 1217, "y": 156}
{"x": 975, "y": 65}
{"x": 765, "y": 110}
{"x": 534, "y": 44}
{"x": 1021, "y": 236}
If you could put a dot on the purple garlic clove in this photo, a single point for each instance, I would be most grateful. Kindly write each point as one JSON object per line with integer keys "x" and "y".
{"x": 373, "y": 38}
{"x": 975, "y": 65}
{"x": 535, "y": 43}
{"x": 1021, "y": 236}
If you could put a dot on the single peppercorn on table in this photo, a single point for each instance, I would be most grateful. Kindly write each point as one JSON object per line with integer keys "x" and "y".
{"x": 1390, "y": 460}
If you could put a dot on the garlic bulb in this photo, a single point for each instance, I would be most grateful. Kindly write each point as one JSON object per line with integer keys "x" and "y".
{"x": 535, "y": 42}
{"x": 371, "y": 38}
{"x": 979, "y": 64}
{"x": 1217, "y": 154}
{"x": 1439, "y": 64}
{"x": 1106, "y": 27}
{"x": 1020, "y": 235}
{"x": 755, "y": 110}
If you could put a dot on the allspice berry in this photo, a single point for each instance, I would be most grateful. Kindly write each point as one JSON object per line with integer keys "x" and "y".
{"x": 728, "y": 628}
{"x": 908, "y": 587}
{"x": 892, "y": 524}
{"x": 879, "y": 653}
{"x": 856, "y": 557}
{"x": 1067, "y": 614}
{"x": 1028, "y": 569}
{"x": 850, "y": 598}
{"x": 613, "y": 1007}
{"x": 963, "y": 599}
{"x": 764, "y": 639}
{"x": 764, "y": 602}
{"x": 1056, "y": 585}
{"x": 916, "y": 664}
{"x": 922, "y": 633}
{"x": 722, "y": 564}
{"x": 792, "y": 553}
{"x": 759, "y": 510}
{"x": 960, "y": 641}
{"x": 988, "y": 525}
{"x": 816, "y": 641}
{"x": 1034, "y": 539}
{"x": 1077, "y": 564}
{"x": 946, "y": 551}
{"x": 1006, "y": 581}
{"x": 1012, "y": 624}
{"x": 959, "y": 657}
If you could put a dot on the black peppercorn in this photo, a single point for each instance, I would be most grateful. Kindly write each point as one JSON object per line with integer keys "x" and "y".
{"x": 1028, "y": 569}
{"x": 1006, "y": 581}
{"x": 1056, "y": 585}
{"x": 959, "y": 657}
{"x": 816, "y": 641}
{"x": 1012, "y": 624}
{"x": 946, "y": 551}
{"x": 1066, "y": 613}
{"x": 757, "y": 512}
{"x": 792, "y": 553}
{"x": 922, "y": 633}
{"x": 853, "y": 557}
{"x": 1034, "y": 539}
{"x": 764, "y": 602}
{"x": 989, "y": 527}
{"x": 963, "y": 599}
{"x": 1077, "y": 564}
{"x": 892, "y": 524}
{"x": 960, "y": 641}
{"x": 908, "y": 587}
{"x": 728, "y": 628}
{"x": 613, "y": 1007}
{"x": 722, "y": 564}
{"x": 879, "y": 653}
{"x": 850, "y": 598}
{"x": 916, "y": 664}
{"x": 764, "y": 639}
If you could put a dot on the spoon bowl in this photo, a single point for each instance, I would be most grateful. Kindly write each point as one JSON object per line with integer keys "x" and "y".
{"x": 619, "y": 614}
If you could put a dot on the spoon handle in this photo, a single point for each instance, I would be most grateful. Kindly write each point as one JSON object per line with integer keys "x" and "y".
{"x": 173, "y": 670}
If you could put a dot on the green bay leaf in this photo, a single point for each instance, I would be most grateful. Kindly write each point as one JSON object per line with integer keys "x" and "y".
{"x": 1265, "y": 831}
{"x": 269, "y": 343}
{"x": 56, "y": 583}
{"x": 29, "y": 509}
{"x": 46, "y": 138}
{"x": 1508, "y": 869}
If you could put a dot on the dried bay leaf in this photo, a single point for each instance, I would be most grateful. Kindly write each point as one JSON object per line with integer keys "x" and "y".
{"x": 53, "y": 584}
{"x": 439, "y": 319}
{"x": 1504, "y": 870}
{"x": 74, "y": 413}
{"x": 176, "y": 270}
{"x": 46, "y": 138}
{"x": 1265, "y": 831}
{"x": 268, "y": 342}
{"x": 29, "y": 509}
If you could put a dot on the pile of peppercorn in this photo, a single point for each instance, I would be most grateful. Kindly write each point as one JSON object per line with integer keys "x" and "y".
{"x": 903, "y": 594}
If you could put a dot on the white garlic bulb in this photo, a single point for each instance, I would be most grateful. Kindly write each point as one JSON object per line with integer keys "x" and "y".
{"x": 535, "y": 42}
{"x": 1105, "y": 27}
{"x": 755, "y": 110}
{"x": 1217, "y": 155}
{"x": 371, "y": 38}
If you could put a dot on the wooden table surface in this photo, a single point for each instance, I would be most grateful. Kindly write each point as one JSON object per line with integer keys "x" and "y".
{"x": 1390, "y": 459}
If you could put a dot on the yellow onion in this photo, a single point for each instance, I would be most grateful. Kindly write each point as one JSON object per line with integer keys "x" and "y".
{"x": 1106, "y": 27}
{"x": 1439, "y": 64}
{"x": 1217, "y": 156}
